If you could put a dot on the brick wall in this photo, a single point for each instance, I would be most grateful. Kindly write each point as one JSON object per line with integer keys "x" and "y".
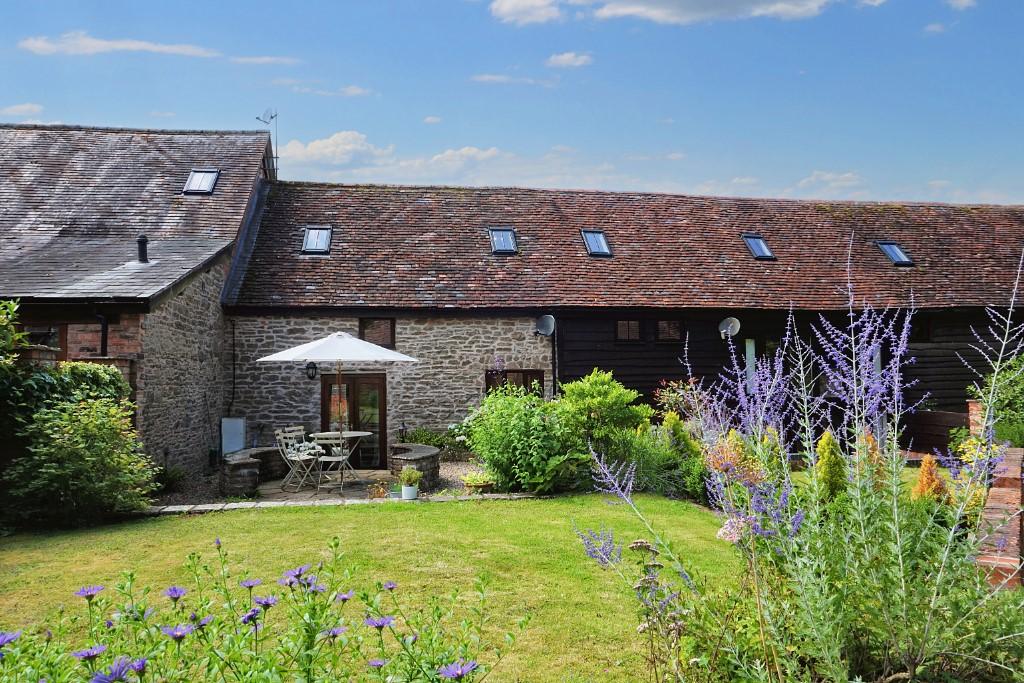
{"x": 180, "y": 375}
{"x": 1002, "y": 524}
{"x": 454, "y": 354}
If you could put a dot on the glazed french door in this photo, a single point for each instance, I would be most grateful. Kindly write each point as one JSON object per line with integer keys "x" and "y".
{"x": 362, "y": 403}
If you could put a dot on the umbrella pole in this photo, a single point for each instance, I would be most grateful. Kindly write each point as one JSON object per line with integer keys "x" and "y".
{"x": 341, "y": 396}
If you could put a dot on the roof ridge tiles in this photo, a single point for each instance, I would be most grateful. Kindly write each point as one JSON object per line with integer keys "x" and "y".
{"x": 127, "y": 129}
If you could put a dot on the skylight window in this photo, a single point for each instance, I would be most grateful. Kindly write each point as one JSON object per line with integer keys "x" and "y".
{"x": 895, "y": 253}
{"x": 317, "y": 240}
{"x": 201, "y": 181}
{"x": 503, "y": 241}
{"x": 758, "y": 247}
{"x": 597, "y": 243}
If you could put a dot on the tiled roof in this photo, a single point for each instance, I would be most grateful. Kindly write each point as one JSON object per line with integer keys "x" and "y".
{"x": 427, "y": 247}
{"x": 73, "y": 199}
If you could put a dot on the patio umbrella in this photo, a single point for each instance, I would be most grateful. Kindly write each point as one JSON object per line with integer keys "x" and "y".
{"x": 340, "y": 348}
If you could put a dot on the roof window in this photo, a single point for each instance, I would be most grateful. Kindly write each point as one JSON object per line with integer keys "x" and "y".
{"x": 895, "y": 253}
{"x": 201, "y": 181}
{"x": 503, "y": 241}
{"x": 597, "y": 243}
{"x": 317, "y": 239}
{"x": 758, "y": 247}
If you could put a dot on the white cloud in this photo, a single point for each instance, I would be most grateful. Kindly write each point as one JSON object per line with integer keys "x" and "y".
{"x": 961, "y": 4}
{"x": 300, "y": 87}
{"x": 341, "y": 148}
{"x": 935, "y": 28}
{"x": 431, "y": 120}
{"x": 569, "y": 59}
{"x": 81, "y": 43}
{"x": 522, "y": 12}
{"x": 162, "y": 114}
{"x": 675, "y": 156}
{"x": 504, "y": 79}
{"x": 829, "y": 185}
{"x": 265, "y": 60}
{"x": 25, "y": 109}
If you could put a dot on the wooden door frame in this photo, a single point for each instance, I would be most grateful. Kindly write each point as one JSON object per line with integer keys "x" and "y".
{"x": 350, "y": 379}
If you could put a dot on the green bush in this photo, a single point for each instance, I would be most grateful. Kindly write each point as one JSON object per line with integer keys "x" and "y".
{"x": 830, "y": 467}
{"x": 593, "y": 410}
{"x": 10, "y": 338}
{"x": 516, "y": 435}
{"x": 428, "y": 437}
{"x": 650, "y": 450}
{"x": 83, "y": 465}
{"x": 693, "y": 471}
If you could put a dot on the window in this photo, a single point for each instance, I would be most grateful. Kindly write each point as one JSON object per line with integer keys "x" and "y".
{"x": 627, "y": 330}
{"x": 758, "y": 247}
{"x": 54, "y": 335}
{"x": 895, "y": 253}
{"x": 317, "y": 240}
{"x": 503, "y": 241}
{"x": 379, "y": 331}
{"x": 670, "y": 331}
{"x": 201, "y": 181}
{"x": 528, "y": 379}
{"x": 597, "y": 243}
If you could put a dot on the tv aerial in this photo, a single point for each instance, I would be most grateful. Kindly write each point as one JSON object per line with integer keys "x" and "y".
{"x": 270, "y": 116}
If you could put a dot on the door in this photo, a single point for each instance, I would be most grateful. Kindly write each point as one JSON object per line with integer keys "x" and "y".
{"x": 363, "y": 408}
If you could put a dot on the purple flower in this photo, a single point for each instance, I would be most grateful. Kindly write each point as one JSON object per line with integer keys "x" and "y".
{"x": 204, "y": 622}
{"x": 8, "y": 637}
{"x": 175, "y": 593}
{"x": 177, "y": 633}
{"x": 390, "y": 585}
{"x": 250, "y": 583}
{"x": 251, "y": 616}
{"x": 108, "y": 623}
{"x": 335, "y": 632}
{"x": 89, "y": 653}
{"x": 600, "y": 546}
{"x": 138, "y": 665}
{"x": 288, "y": 581}
{"x": 297, "y": 572}
{"x": 118, "y": 671}
{"x": 88, "y": 592}
{"x": 377, "y": 663}
{"x": 216, "y": 544}
{"x": 457, "y": 670}
{"x": 345, "y": 597}
{"x": 379, "y": 623}
{"x": 267, "y": 602}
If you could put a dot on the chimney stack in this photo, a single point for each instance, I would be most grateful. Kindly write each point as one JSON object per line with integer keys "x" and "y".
{"x": 143, "y": 250}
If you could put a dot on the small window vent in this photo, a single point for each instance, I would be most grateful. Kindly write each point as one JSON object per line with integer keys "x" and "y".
{"x": 597, "y": 243}
{"x": 895, "y": 253}
{"x": 503, "y": 241}
{"x": 317, "y": 240}
{"x": 201, "y": 181}
{"x": 758, "y": 247}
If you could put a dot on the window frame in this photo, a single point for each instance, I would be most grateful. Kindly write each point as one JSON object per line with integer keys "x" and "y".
{"x": 364, "y": 323}
{"x": 907, "y": 260}
{"x": 494, "y": 245}
{"x": 664, "y": 340}
{"x": 498, "y": 378}
{"x": 625, "y": 340}
{"x": 604, "y": 237}
{"x": 749, "y": 237}
{"x": 204, "y": 171}
{"x": 319, "y": 228}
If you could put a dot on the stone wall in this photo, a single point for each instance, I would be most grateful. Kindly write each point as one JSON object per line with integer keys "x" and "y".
{"x": 180, "y": 378}
{"x": 454, "y": 354}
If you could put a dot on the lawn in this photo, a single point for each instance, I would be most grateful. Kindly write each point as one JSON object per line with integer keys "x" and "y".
{"x": 582, "y": 619}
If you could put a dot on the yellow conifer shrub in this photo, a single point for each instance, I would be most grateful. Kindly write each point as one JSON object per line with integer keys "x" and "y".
{"x": 930, "y": 483}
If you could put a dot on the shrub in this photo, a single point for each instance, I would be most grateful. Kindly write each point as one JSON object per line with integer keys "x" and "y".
{"x": 517, "y": 437}
{"x": 428, "y": 437}
{"x": 410, "y": 476}
{"x": 593, "y": 410}
{"x": 83, "y": 465}
{"x": 830, "y": 466}
{"x": 650, "y": 450}
{"x": 693, "y": 471}
{"x": 10, "y": 338}
{"x": 930, "y": 483}
{"x": 315, "y": 627}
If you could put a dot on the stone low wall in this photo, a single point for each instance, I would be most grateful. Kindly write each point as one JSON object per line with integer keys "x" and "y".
{"x": 426, "y": 459}
{"x": 1002, "y": 522}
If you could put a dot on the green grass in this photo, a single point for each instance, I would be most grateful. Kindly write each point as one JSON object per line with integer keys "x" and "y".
{"x": 582, "y": 619}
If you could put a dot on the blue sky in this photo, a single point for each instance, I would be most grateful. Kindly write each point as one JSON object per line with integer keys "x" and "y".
{"x": 847, "y": 99}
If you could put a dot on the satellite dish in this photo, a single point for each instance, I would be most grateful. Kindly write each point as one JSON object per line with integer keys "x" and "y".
{"x": 545, "y": 325}
{"x": 729, "y": 327}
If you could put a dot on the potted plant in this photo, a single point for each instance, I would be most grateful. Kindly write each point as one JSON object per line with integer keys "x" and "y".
{"x": 396, "y": 490}
{"x": 410, "y": 478}
{"x": 478, "y": 482}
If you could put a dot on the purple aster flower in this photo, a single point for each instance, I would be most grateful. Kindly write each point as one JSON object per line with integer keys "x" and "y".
{"x": 108, "y": 623}
{"x": 379, "y": 623}
{"x": 345, "y": 597}
{"x": 177, "y": 633}
{"x": 297, "y": 572}
{"x": 216, "y": 543}
{"x": 118, "y": 671}
{"x": 390, "y": 585}
{"x": 377, "y": 663}
{"x": 335, "y": 632}
{"x": 250, "y": 583}
{"x": 251, "y": 616}
{"x": 88, "y": 592}
{"x": 8, "y": 637}
{"x": 457, "y": 670}
{"x": 175, "y": 593}
{"x": 89, "y": 653}
{"x": 267, "y": 602}
{"x": 204, "y": 622}
{"x": 289, "y": 581}
{"x": 138, "y": 665}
